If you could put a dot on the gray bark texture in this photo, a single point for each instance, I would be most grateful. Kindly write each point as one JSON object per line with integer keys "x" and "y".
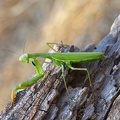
{"x": 48, "y": 99}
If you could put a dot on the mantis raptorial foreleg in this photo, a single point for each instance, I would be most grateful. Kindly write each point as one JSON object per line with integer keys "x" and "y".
{"x": 39, "y": 74}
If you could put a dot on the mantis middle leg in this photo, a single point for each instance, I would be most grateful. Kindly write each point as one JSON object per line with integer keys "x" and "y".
{"x": 59, "y": 44}
{"x": 64, "y": 80}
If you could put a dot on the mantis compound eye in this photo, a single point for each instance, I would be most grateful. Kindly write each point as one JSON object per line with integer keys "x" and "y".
{"x": 24, "y": 58}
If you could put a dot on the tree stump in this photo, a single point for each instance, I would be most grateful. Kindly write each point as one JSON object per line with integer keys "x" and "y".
{"x": 48, "y": 99}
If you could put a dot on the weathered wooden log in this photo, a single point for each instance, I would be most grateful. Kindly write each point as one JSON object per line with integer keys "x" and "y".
{"x": 48, "y": 100}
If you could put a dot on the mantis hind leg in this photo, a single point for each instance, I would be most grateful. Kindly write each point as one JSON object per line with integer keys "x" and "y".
{"x": 58, "y": 44}
{"x": 85, "y": 69}
{"x": 64, "y": 80}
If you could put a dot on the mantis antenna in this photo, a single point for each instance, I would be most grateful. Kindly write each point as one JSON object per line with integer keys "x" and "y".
{"x": 11, "y": 51}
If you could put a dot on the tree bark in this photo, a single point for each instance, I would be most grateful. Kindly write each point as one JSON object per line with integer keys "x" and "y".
{"x": 48, "y": 99}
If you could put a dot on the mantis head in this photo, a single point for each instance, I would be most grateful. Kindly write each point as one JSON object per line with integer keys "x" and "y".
{"x": 24, "y": 58}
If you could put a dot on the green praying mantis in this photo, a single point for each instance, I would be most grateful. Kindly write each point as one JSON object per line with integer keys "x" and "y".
{"x": 59, "y": 59}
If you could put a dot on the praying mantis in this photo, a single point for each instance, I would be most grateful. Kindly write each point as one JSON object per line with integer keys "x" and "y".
{"x": 59, "y": 59}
